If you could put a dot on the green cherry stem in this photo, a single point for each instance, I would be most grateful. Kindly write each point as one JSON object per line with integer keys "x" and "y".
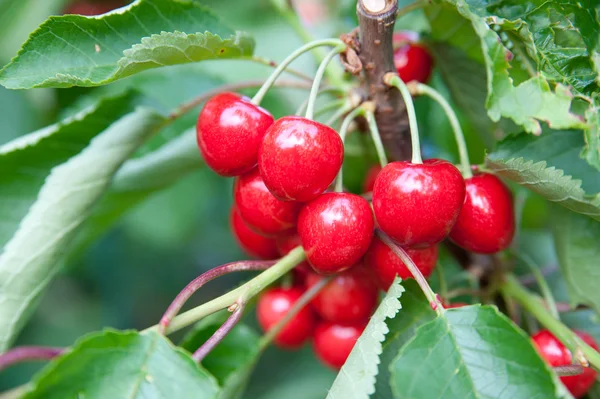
{"x": 339, "y": 182}
{"x": 392, "y": 79}
{"x": 422, "y": 89}
{"x": 376, "y": 138}
{"x": 333, "y": 105}
{"x": 314, "y": 91}
{"x": 328, "y": 90}
{"x": 284, "y": 64}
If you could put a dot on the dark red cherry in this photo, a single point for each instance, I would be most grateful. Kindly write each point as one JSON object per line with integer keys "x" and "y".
{"x": 335, "y": 230}
{"x": 370, "y": 178}
{"x": 286, "y": 243}
{"x": 229, "y": 131}
{"x": 486, "y": 223}
{"x": 254, "y": 244}
{"x": 386, "y": 265}
{"x": 349, "y": 297}
{"x": 412, "y": 60}
{"x": 556, "y": 354}
{"x": 260, "y": 209}
{"x": 299, "y": 158}
{"x": 417, "y": 204}
{"x": 91, "y": 8}
{"x": 273, "y": 306}
{"x": 333, "y": 342}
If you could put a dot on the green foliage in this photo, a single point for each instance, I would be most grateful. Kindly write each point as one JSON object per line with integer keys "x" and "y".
{"x": 126, "y": 365}
{"x": 80, "y": 51}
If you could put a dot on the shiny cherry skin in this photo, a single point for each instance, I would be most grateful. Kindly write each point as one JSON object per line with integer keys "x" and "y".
{"x": 417, "y": 204}
{"x": 556, "y": 354}
{"x": 349, "y": 297}
{"x": 229, "y": 131}
{"x": 335, "y": 230}
{"x": 385, "y": 265}
{"x": 91, "y": 8}
{"x": 286, "y": 243}
{"x": 333, "y": 342}
{"x": 254, "y": 244}
{"x": 486, "y": 223}
{"x": 299, "y": 158}
{"x": 260, "y": 210}
{"x": 370, "y": 178}
{"x": 273, "y": 306}
{"x": 412, "y": 60}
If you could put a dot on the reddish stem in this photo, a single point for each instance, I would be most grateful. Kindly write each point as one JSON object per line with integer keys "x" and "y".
{"x": 218, "y": 336}
{"x": 198, "y": 282}
{"x": 27, "y": 354}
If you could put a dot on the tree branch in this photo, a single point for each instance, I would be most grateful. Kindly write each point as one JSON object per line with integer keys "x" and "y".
{"x": 376, "y": 23}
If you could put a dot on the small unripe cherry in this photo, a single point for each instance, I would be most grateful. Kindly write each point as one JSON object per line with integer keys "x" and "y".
{"x": 299, "y": 158}
{"x": 417, "y": 204}
{"x": 260, "y": 209}
{"x": 333, "y": 343}
{"x": 230, "y": 129}
{"x": 349, "y": 297}
{"x": 486, "y": 223}
{"x": 385, "y": 264}
{"x": 254, "y": 244}
{"x": 412, "y": 60}
{"x": 335, "y": 230}
{"x": 274, "y": 304}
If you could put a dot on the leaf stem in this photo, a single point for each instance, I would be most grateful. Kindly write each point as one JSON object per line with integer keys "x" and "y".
{"x": 392, "y": 79}
{"x": 535, "y": 305}
{"x": 376, "y": 138}
{"x": 312, "y": 98}
{"x": 339, "y": 182}
{"x": 22, "y": 354}
{"x": 432, "y": 297}
{"x": 258, "y": 97}
{"x": 420, "y": 89}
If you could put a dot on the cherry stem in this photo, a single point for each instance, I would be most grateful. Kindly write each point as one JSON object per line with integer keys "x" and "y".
{"x": 581, "y": 351}
{"x": 347, "y": 107}
{"x": 431, "y": 296}
{"x": 392, "y": 79}
{"x": 258, "y": 97}
{"x": 27, "y": 354}
{"x": 314, "y": 91}
{"x": 204, "y": 278}
{"x": 302, "y": 108}
{"x": 376, "y": 138}
{"x": 333, "y": 105}
{"x": 306, "y": 297}
{"x": 422, "y": 89}
{"x": 221, "y": 333}
{"x": 273, "y": 64}
{"x": 339, "y": 182}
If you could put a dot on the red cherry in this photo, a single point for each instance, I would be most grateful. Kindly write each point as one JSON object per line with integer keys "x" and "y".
{"x": 334, "y": 342}
{"x": 385, "y": 264}
{"x": 370, "y": 178}
{"x": 299, "y": 158}
{"x": 335, "y": 230}
{"x": 486, "y": 223}
{"x": 288, "y": 242}
{"x": 229, "y": 131}
{"x": 273, "y": 306}
{"x": 260, "y": 209}
{"x": 412, "y": 60}
{"x": 349, "y": 297}
{"x": 254, "y": 244}
{"x": 91, "y": 8}
{"x": 556, "y": 354}
{"x": 417, "y": 204}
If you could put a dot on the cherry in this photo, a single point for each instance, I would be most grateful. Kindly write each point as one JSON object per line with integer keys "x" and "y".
{"x": 349, "y": 297}
{"x": 385, "y": 264}
{"x": 417, "y": 204}
{"x": 335, "y": 230}
{"x": 299, "y": 158}
{"x": 288, "y": 242}
{"x": 556, "y": 354}
{"x": 260, "y": 209}
{"x": 229, "y": 131}
{"x": 254, "y": 244}
{"x": 412, "y": 60}
{"x": 273, "y": 306}
{"x": 91, "y": 8}
{"x": 370, "y": 178}
{"x": 486, "y": 223}
{"x": 334, "y": 342}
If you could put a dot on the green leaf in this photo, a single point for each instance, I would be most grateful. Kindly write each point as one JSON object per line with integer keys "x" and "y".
{"x": 73, "y": 50}
{"x": 550, "y": 166}
{"x": 125, "y": 365}
{"x": 471, "y": 352}
{"x": 591, "y": 151}
{"x": 356, "y": 379}
{"x": 31, "y": 257}
{"x": 232, "y": 360}
{"x": 576, "y": 239}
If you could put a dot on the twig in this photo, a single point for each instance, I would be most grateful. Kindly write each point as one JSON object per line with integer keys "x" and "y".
{"x": 27, "y": 354}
